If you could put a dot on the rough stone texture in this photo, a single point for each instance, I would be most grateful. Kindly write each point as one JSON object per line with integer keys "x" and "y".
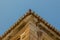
{"x": 0, "y": 38}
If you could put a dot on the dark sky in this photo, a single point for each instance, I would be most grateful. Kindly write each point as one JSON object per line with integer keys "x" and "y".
{"x": 12, "y": 10}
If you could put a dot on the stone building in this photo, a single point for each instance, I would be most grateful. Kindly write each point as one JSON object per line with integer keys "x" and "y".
{"x": 31, "y": 27}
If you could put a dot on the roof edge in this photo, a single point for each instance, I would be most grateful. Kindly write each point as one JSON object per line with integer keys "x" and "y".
{"x": 38, "y": 17}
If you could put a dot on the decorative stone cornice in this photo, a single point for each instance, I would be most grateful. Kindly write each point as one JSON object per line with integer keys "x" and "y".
{"x": 47, "y": 24}
{"x": 36, "y": 16}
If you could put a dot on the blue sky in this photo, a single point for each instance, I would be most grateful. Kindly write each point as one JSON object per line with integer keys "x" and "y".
{"x": 12, "y": 10}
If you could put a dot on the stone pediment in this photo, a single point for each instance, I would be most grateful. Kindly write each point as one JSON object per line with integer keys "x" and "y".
{"x": 37, "y": 20}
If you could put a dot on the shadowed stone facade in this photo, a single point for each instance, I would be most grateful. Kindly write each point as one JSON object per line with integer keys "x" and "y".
{"x": 31, "y": 27}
